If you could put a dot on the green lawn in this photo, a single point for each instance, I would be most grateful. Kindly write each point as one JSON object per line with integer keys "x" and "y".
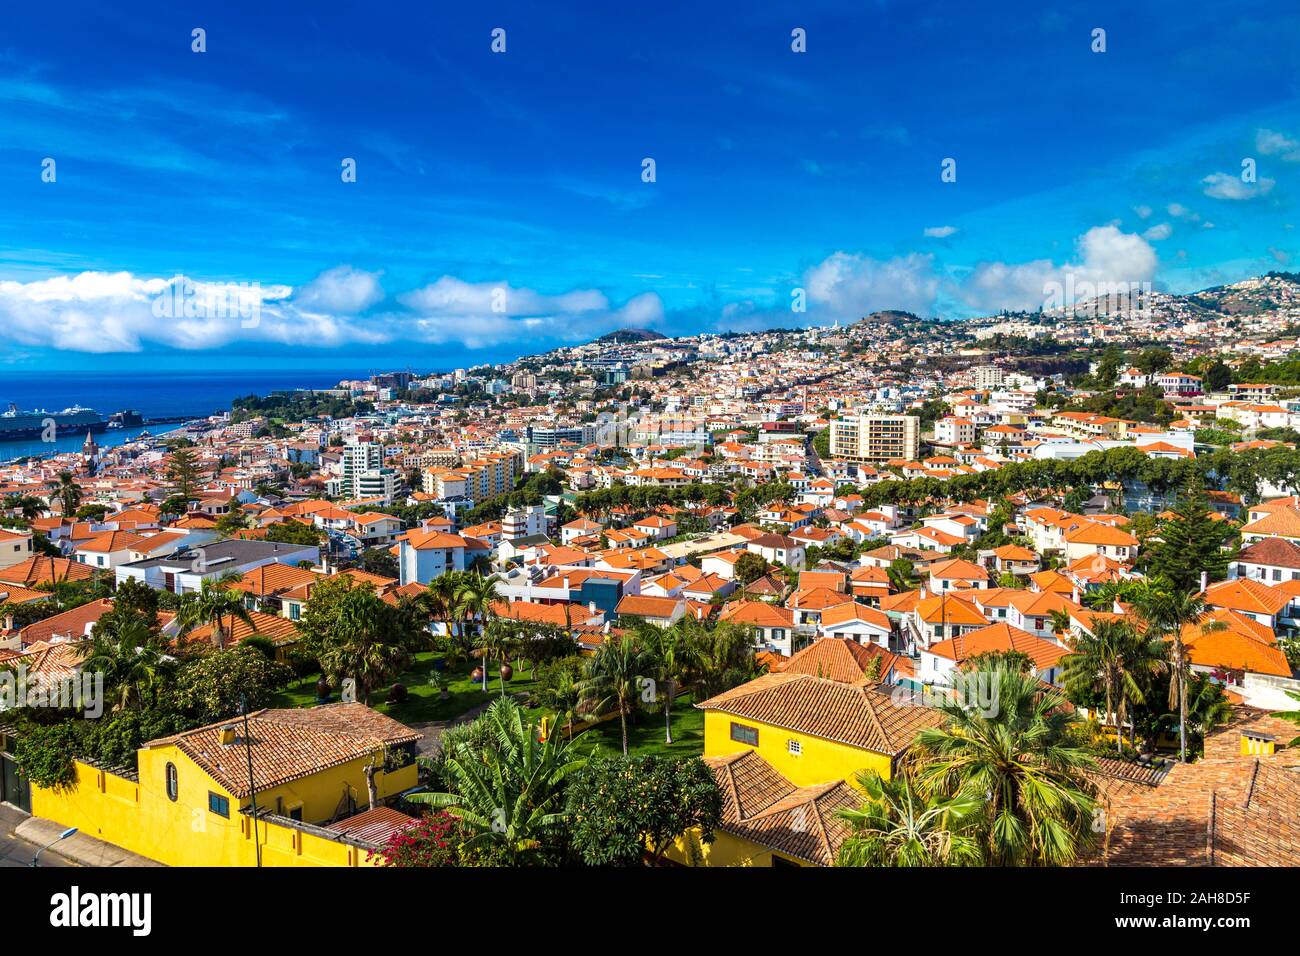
{"x": 645, "y": 733}
{"x": 423, "y": 704}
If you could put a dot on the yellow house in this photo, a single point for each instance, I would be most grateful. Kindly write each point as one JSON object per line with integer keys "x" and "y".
{"x": 190, "y": 803}
{"x": 784, "y": 749}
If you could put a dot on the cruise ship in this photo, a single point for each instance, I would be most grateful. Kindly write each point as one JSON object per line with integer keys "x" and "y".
{"x": 15, "y": 424}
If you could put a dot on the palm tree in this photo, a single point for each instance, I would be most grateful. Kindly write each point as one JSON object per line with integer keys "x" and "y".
{"x": 213, "y": 604}
{"x": 614, "y": 674}
{"x": 1291, "y": 715}
{"x": 1168, "y": 614}
{"x": 1114, "y": 659}
{"x": 475, "y": 597}
{"x": 1207, "y": 706}
{"x": 364, "y": 641}
{"x": 68, "y": 493}
{"x": 511, "y": 792}
{"x": 497, "y": 641}
{"x": 898, "y": 825}
{"x": 671, "y": 649}
{"x": 1061, "y": 622}
{"x": 1018, "y": 760}
{"x": 29, "y": 506}
{"x": 130, "y": 655}
{"x": 561, "y": 691}
{"x": 721, "y": 657}
{"x": 440, "y": 595}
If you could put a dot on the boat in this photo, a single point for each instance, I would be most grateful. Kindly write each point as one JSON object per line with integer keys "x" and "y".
{"x": 16, "y": 425}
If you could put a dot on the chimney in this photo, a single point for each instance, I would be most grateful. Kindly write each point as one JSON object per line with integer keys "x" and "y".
{"x": 227, "y": 735}
{"x": 591, "y": 607}
{"x": 566, "y": 582}
{"x": 922, "y": 595}
{"x": 1074, "y": 596}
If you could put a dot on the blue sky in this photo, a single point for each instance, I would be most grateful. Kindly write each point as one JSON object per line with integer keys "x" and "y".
{"x": 521, "y": 171}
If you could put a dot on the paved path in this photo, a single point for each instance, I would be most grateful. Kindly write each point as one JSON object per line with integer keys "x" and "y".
{"x": 430, "y": 743}
{"x": 22, "y": 835}
{"x": 14, "y": 850}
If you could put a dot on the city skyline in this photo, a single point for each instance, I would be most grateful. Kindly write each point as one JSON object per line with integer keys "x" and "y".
{"x": 499, "y": 206}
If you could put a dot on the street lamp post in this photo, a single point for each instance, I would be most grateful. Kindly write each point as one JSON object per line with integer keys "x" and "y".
{"x": 62, "y": 836}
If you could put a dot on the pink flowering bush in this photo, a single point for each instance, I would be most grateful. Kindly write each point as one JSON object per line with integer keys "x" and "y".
{"x": 433, "y": 841}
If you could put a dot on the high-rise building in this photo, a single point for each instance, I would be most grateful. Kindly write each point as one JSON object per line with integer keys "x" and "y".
{"x": 381, "y": 483}
{"x": 988, "y": 376}
{"x": 866, "y": 437}
{"x": 358, "y": 459}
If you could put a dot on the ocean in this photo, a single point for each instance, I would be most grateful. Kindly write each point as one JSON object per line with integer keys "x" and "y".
{"x": 155, "y": 394}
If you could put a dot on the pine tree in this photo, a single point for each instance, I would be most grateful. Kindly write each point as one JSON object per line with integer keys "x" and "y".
{"x": 1192, "y": 543}
{"x": 183, "y": 472}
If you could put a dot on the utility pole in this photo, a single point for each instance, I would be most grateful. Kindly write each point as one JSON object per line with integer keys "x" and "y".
{"x": 252, "y": 789}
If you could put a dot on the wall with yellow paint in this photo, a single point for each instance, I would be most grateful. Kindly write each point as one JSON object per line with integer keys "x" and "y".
{"x": 727, "y": 849}
{"x": 818, "y": 761}
{"x": 141, "y": 817}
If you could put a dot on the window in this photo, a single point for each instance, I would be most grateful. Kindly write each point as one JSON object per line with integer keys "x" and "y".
{"x": 173, "y": 785}
{"x": 794, "y": 747}
{"x": 744, "y": 735}
{"x": 218, "y": 804}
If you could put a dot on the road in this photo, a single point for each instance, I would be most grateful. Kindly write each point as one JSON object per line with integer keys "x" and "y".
{"x": 15, "y": 851}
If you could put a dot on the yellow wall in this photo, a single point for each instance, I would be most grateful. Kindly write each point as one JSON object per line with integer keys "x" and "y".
{"x": 140, "y": 817}
{"x": 725, "y": 850}
{"x": 820, "y": 761}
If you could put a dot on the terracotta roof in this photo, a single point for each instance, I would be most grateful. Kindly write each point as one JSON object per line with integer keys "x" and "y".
{"x": 280, "y": 630}
{"x": 272, "y": 579}
{"x": 71, "y": 624}
{"x": 1171, "y": 824}
{"x": 949, "y": 609}
{"x": 373, "y": 826}
{"x": 1284, "y": 523}
{"x": 1274, "y": 552}
{"x": 1242, "y": 594}
{"x": 1000, "y": 637}
{"x": 853, "y": 611}
{"x": 1014, "y": 552}
{"x": 639, "y": 605}
{"x": 760, "y": 805}
{"x": 855, "y": 715}
{"x": 839, "y": 659}
{"x": 757, "y": 614}
{"x": 45, "y": 570}
{"x": 958, "y": 570}
{"x": 1240, "y": 644}
{"x": 817, "y": 599}
{"x": 834, "y": 580}
{"x": 288, "y": 745}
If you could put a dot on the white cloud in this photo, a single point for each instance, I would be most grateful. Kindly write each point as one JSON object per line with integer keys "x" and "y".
{"x": 1104, "y": 256}
{"x": 1272, "y": 143}
{"x": 342, "y": 289}
{"x": 1179, "y": 211}
{"x": 1159, "y": 231}
{"x": 120, "y": 312}
{"x": 1226, "y": 186}
{"x": 941, "y": 232}
{"x": 1143, "y": 211}
{"x": 848, "y": 285}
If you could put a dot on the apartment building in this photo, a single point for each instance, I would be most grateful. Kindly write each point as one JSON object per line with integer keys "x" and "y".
{"x": 876, "y": 437}
{"x": 359, "y": 458}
